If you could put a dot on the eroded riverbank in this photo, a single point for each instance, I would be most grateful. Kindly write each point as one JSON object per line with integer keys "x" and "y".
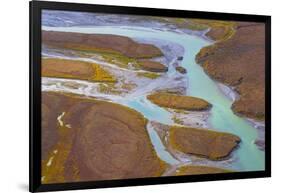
{"x": 195, "y": 83}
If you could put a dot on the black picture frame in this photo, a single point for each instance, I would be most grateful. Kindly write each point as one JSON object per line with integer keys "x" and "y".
{"x": 35, "y": 95}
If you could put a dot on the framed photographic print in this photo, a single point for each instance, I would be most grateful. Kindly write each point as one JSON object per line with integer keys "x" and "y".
{"x": 123, "y": 96}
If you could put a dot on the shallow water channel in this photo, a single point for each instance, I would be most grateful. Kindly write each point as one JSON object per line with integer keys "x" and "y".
{"x": 247, "y": 157}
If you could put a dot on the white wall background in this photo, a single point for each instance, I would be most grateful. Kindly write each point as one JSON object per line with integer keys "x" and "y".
{"x": 14, "y": 95}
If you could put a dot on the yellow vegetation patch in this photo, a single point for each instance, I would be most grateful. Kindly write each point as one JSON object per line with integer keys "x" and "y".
{"x": 53, "y": 167}
{"x": 196, "y": 170}
{"x": 101, "y": 75}
{"x": 73, "y": 69}
{"x": 150, "y": 75}
{"x": 220, "y": 30}
{"x": 120, "y": 60}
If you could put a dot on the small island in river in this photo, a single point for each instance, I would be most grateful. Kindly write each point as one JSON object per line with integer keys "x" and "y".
{"x": 128, "y": 96}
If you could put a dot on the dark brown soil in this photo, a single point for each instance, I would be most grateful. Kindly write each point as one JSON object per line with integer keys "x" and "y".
{"x": 240, "y": 62}
{"x": 74, "y": 69}
{"x": 100, "y": 141}
{"x": 202, "y": 142}
{"x": 181, "y": 69}
{"x": 101, "y": 43}
{"x": 179, "y": 102}
{"x": 153, "y": 66}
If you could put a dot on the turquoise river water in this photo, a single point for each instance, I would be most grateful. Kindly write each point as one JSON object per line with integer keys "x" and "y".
{"x": 250, "y": 158}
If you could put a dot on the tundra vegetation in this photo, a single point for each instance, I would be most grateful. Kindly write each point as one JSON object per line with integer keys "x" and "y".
{"x": 179, "y": 102}
{"x": 197, "y": 170}
{"x": 201, "y": 142}
{"x": 76, "y": 129}
{"x": 74, "y": 69}
{"x": 238, "y": 61}
{"x": 88, "y": 138}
